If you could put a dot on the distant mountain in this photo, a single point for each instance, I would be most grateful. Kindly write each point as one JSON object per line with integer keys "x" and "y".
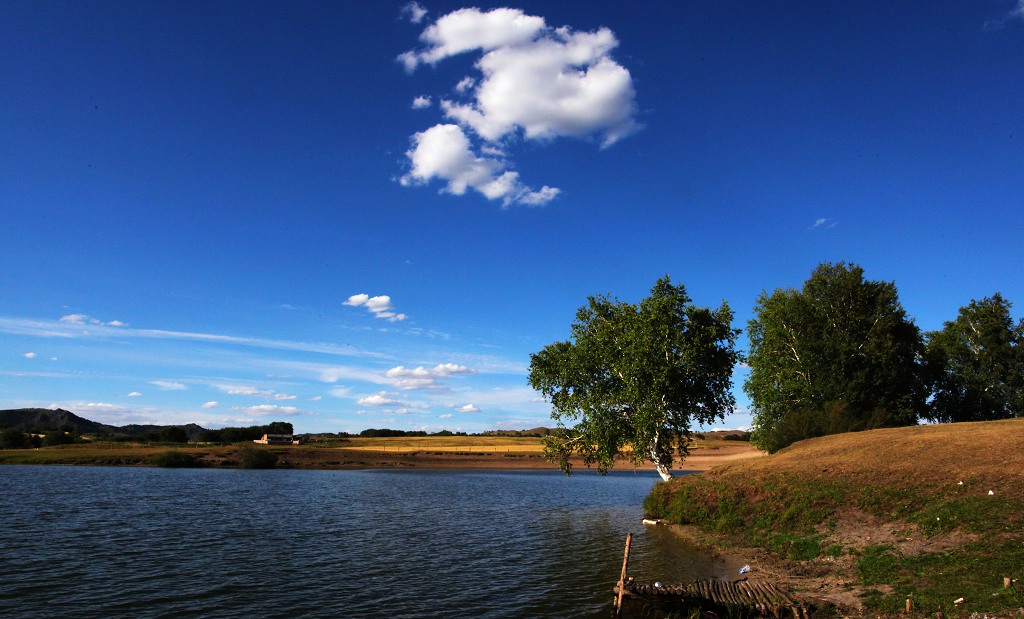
{"x": 29, "y": 419}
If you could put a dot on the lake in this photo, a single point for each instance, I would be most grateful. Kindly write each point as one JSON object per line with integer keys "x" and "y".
{"x": 149, "y": 542}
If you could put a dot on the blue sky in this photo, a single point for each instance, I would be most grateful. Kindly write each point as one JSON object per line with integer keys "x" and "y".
{"x": 360, "y": 214}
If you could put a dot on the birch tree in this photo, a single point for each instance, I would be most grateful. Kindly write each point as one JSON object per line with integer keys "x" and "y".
{"x": 632, "y": 379}
{"x": 838, "y": 355}
{"x": 977, "y": 364}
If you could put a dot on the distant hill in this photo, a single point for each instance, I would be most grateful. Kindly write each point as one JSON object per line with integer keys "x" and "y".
{"x": 32, "y": 419}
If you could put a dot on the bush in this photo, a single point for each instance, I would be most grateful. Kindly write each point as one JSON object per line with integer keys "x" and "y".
{"x": 174, "y": 459}
{"x": 256, "y": 458}
{"x": 11, "y": 438}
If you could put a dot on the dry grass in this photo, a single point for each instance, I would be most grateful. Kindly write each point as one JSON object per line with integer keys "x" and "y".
{"x": 933, "y": 513}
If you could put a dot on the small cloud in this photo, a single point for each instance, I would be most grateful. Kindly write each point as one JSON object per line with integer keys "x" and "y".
{"x": 75, "y": 319}
{"x": 271, "y": 409}
{"x": 167, "y": 385}
{"x": 340, "y": 392}
{"x": 414, "y": 12}
{"x": 243, "y": 390}
{"x": 445, "y": 153}
{"x": 380, "y": 306}
{"x": 30, "y": 355}
{"x": 84, "y": 319}
{"x": 469, "y": 408}
{"x": 425, "y": 378}
{"x": 134, "y": 394}
{"x": 212, "y": 404}
{"x": 445, "y": 416}
{"x": 285, "y": 396}
{"x": 316, "y": 398}
{"x": 382, "y": 398}
{"x": 465, "y": 84}
{"x": 421, "y": 102}
{"x": 823, "y": 222}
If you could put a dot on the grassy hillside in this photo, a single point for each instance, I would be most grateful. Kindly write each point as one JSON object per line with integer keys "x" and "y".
{"x": 931, "y": 513}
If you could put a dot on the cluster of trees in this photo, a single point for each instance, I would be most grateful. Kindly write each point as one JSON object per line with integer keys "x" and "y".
{"x": 241, "y": 435}
{"x": 13, "y": 438}
{"x": 388, "y": 433}
{"x": 840, "y": 354}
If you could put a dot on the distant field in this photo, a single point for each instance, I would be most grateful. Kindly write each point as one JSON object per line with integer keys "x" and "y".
{"x": 425, "y": 452}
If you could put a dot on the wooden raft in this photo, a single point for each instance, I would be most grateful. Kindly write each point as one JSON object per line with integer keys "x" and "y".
{"x": 740, "y": 597}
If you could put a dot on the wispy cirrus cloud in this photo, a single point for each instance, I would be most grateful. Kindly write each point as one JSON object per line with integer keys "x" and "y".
{"x": 71, "y": 329}
{"x": 537, "y": 82}
{"x": 168, "y": 385}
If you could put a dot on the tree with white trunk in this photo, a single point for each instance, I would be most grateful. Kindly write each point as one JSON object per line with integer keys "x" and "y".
{"x": 632, "y": 379}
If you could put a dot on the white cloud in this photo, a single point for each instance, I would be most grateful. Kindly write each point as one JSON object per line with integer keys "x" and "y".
{"x": 823, "y": 222}
{"x": 167, "y": 385}
{"x": 211, "y": 404}
{"x": 285, "y": 396}
{"x": 469, "y": 408}
{"x": 446, "y": 416}
{"x": 75, "y": 319}
{"x": 30, "y": 355}
{"x": 83, "y": 319}
{"x": 316, "y": 398}
{"x": 424, "y": 378}
{"x": 444, "y": 152}
{"x": 270, "y": 409}
{"x": 243, "y": 390}
{"x": 340, "y": 392}
{"x": 379, "y": 306}
{"x": 538, "y": 82}
{"x": 421, "y": 102}
{"x": 414, "y": 12}
{"x": 134, "y": 394}
{"x": 382, "y": 398}
{"x": 471, "y": 29}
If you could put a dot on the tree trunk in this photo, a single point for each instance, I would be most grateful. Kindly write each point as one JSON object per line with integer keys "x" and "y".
{"x": 662, "y": 463}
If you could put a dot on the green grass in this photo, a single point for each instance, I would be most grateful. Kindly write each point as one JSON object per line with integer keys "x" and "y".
{"x": 796, "y": 503}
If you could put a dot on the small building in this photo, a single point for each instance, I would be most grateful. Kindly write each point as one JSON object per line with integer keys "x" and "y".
{"x": 277, "y": 439}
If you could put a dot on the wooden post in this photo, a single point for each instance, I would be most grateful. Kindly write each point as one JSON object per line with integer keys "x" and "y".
{"x": 622, "y": 578}
{"x": 1007, "y": 581}
{"x": 908, "y": 605}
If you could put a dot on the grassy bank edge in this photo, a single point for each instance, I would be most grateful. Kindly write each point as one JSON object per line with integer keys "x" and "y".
{"x": 813, "y": 509}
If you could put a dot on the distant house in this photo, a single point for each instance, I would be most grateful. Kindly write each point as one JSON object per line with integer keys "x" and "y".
{"x": 277, "y": 439}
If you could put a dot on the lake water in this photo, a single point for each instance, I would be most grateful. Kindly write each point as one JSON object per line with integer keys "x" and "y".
{"x": 148, "y": 542}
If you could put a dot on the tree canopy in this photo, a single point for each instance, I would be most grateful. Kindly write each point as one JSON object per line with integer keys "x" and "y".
{"x": 632, "y": 378}
{"x": 838, "y": 355}
{"x": 977, "y": 364}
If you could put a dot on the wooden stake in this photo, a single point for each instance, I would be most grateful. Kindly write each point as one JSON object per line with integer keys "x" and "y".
{"x": 622, "y": 578}
{"x": 1007, "y": 581}
{"x": 908, "y": 605}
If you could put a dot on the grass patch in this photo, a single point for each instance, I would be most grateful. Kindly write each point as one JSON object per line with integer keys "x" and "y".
{"x": 174, "y": 459}
{"x": 940, "y": 535}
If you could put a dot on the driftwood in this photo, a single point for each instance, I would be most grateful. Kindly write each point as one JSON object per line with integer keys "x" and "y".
{"x": 738, "y": 597}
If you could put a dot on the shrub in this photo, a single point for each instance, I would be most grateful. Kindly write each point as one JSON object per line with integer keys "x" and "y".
{"x": 174, "y": 459}
{"x": 256, "y": 458}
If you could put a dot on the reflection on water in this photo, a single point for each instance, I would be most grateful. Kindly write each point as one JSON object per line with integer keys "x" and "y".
{"x": 134, "y": 542}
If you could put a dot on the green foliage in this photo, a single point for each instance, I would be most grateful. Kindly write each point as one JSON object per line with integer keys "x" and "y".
{"x": 173, "y": 434}
{"x": 252, "y": 457}
{"x": 244, "y": 435}
{"x": 11, "y": 438}
{"x": 175, "y": 459}
{"x": 838, "y": 355}
{"x": 58, "y": 437}
{"x": 633, "y": 377}
{"x": 977, "y": 364}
